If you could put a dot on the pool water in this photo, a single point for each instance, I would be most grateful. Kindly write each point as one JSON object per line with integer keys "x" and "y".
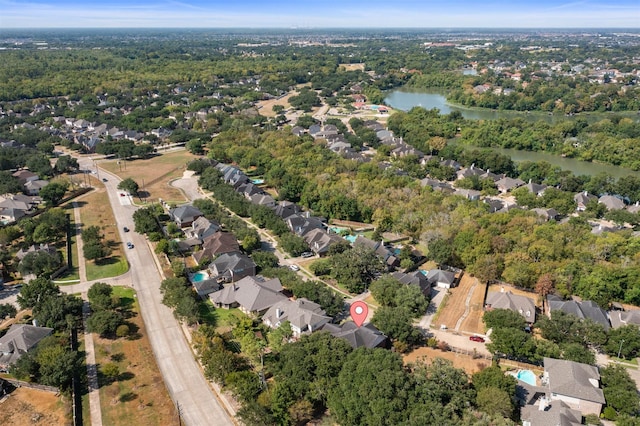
{"x": 199, "y": 276}
{"x": 350, "y": 238}
{"x": 527, "y": 376}
{"x": 257, "y": 181}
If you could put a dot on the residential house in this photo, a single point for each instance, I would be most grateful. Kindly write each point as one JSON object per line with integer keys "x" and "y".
{"x": 536, "y": 189}
{"x": 303, "y": 315}
{"x": 582, "y": 199}
{"x": 19, "y": 339}
{"x": 584, "y": 309}
{"x": 575, "y": 384}
{"x": 547, "y": 413}
{"x": 367, "y": 336}
{"x": 298, "y": 131}
{"x": 507, "y": 184}
{"x": 33, "y": 187}
{"x": 441, "y": 278}
{"x": 469, "y": 194}
{"x": 263, "y": 200}
{"x": 387, "y": 256}
{"x": 253, "y": 295}
{"x": 547, "y": 214}
{"x": 320, "y": 240}
{"x": 25, "y": 176}
{"x": 514, "y": 302}
{"x": 302, "y": 223}
{"x": 232, "y": 267}
{"x": 622, "y": 318}
{"x": 201, "y": 228}
{"x": 284, "y": 209}
{"x": 34, "y": 249}
{"x": 184, "y": 216}
{"x": 611, "y": 202}
{"x": 216, "y": 244}
{"x": 10, "y": 215}
{"x": 416, "y": 278}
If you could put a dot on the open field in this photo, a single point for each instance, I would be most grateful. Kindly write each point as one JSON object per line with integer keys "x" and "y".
{"x": 466, "y": 362}
{"x": 265, "y": 107}
{"x": 155, "y": 173}
{"x": 352, "y": 67}
{"x": 26, "y": 406}
{"x": 139, "y": 393}
{"x": 454, "y": 306}
{"x": 93, "y": 212}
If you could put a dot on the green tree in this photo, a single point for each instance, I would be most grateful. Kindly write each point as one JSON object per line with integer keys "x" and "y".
{"x": 104, "y": 322}
{"x": 129, "y": 185}
{"x": 512, "y": 341}
{"x": 145, "y": 220}
{"x": 66, "y": 163}
{"x": 619, "y": 390}
{"x": 7, "y": 310}
{"x": 244, "y": 385}
{"x": 385, "y": 289}
{"x": 111, "y": 371}
{"x": 54, "y": 192}
{"x": 57, "y": 365}
{"x": 624, "y": 340}
{"x": 101, "y": 297}
{"x": 35, "y": 291}
{"x": 60, "y": 312}
{"x": 503, "y": 318}
{"x": 40, "y": 263}
{"x": 397, "y": 323}
{"x": 373, "y": 388}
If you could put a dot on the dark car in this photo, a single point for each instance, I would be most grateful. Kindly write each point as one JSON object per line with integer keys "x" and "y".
{"x": 476, "y": 339}
{"x": 125, "y": 229}
{"x": 129, "y": 244}
{"x": 104, "y": 180}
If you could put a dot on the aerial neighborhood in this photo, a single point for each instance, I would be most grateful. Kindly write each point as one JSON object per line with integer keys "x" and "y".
{"x": 186, "y": 237}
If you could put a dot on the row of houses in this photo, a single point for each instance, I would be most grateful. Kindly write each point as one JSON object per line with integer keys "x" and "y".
{"x": 616, "y": 317}
{"x": 264, "y": 299}
{"x": 16, "y": 206}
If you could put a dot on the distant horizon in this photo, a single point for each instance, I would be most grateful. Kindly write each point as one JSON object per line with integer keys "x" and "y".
{"x": 330, "y": 14}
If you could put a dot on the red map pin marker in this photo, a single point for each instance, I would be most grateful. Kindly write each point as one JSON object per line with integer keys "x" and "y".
{"x": 359, "y": 311}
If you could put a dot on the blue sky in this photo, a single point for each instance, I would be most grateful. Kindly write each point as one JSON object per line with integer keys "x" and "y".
{"x": 321, "y": 13}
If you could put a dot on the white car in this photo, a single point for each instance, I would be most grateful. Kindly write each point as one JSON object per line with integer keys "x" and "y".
{"x": 294, "y": 267}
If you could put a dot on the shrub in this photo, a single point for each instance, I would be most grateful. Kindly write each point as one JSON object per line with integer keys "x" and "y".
{"x": 122, "y": 330}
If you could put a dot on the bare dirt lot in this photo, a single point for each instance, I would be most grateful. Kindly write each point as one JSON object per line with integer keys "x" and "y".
{"x": 34, "y": 407}
{"x": 455, "y": 306}
{"x": 353, "y": 67}
{"x": 265, "y": 107}
{"x": 466, "y": 362}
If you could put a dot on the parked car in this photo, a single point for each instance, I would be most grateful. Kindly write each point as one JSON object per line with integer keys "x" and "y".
{"x": 307, "y": 254}
{"x": 104, "y": 180}
{"x": 122, "y": 194}
{"x": 476, "y": 339}
{"x": 129, "y": 244}
{"x": 294, "y": 267}
{"x": 125, "y": 229}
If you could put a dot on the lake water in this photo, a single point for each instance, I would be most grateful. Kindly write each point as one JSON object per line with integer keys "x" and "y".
{"x": 404, "y": 100}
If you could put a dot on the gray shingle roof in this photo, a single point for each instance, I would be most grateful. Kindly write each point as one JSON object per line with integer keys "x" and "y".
{"x": 574, "y": 379}
{"x": 20, "y": 339}
{"x": 507, "y": 300}
{"x": 367, "y": 335}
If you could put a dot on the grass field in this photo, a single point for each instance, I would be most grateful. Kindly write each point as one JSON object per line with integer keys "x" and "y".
{"x": 222, "y": 319}
{"x": 93, "y": 212}
{"x": 155, "y": 173}
{"x": 139, "y": 394}
{"x": 265, "y": 107}
{"x": 26, "y": 406}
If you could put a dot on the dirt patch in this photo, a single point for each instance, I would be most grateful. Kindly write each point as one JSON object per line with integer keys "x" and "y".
{"x": 139, "y": 393}
{"x": 153, "y": 174}
{"x": 352, "y": 67}
{"x": 34, "y": 407}
{"x": 266, "y": 107}
{"x": 453, "y": 306}
{"x": 473, "y": 322}
{"x": 466, "y": 362}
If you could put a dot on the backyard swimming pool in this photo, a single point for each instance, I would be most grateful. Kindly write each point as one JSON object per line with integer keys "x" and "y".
{"x": 199, "y": 276}
{"x": 527, "y": 376}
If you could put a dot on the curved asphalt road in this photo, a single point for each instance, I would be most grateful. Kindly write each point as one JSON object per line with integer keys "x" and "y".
{"x": 187, "y": 386}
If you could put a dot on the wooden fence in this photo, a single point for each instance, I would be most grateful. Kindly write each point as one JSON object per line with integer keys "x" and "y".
{"x": 21, "y": 384}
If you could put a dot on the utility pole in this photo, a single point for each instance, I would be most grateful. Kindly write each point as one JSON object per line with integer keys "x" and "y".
{"x": 179, "y": 413}
{"x": 620, "y": 349}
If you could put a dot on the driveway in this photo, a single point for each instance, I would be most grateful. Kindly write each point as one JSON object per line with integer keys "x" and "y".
{"x": 181, "y": 373}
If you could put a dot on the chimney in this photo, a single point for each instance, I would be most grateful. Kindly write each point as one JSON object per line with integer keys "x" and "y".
{"x": 278, "y": 312}
{"x": 543, "y": 404}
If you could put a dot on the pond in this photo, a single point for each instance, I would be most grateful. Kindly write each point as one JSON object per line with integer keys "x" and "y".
{"x": 404, "y": 99}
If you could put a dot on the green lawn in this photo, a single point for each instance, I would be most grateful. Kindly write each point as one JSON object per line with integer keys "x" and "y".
{"x": 219, "y": 317}
{"x": 109, "y": 267}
